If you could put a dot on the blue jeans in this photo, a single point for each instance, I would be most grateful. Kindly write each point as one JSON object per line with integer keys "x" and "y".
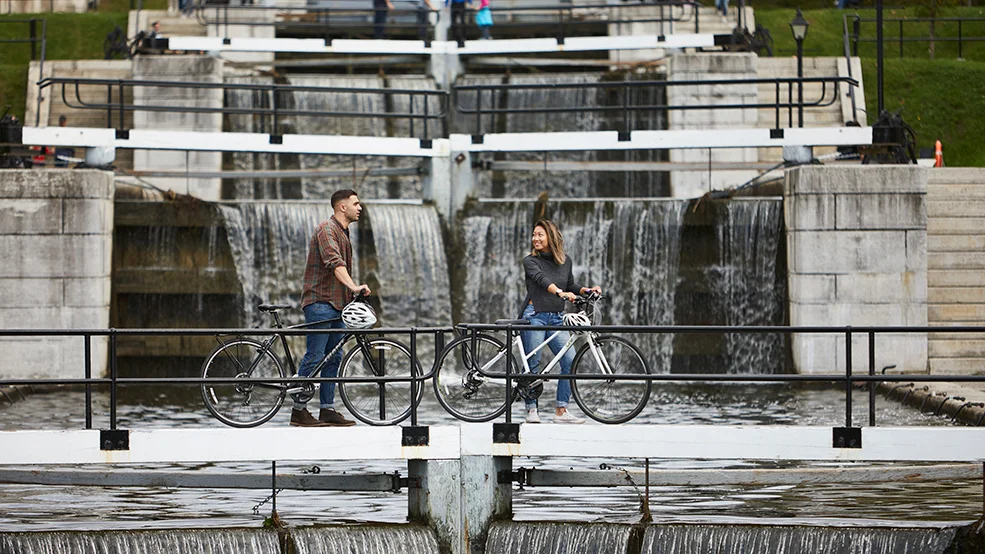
{"x": 320, "y": 344}
{"x": 379, "y": 23}
{"x": 722, "y": 6}
{"x": 532, "y": 339}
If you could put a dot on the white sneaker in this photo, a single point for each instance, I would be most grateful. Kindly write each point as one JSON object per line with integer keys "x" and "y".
{"x": 533, "y": 416}
{"x": 568, "y": 417}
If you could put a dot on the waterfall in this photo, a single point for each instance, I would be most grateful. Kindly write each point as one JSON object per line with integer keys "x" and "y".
{"x": 558, "y": 538}
{"x": 199, "y": 541}
{"x": 391, "y": 539}
{"x": 250, "y": 188}
{"x": 410, "y": 267}
{"x": 743, "y": 539}
{"x": 566, "y": 184}
{"x": 403, "y": 257}
{"x": 631, "y": 248}
{"x": 752, "y": 294}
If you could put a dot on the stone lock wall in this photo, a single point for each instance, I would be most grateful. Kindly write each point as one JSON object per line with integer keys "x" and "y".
{"x": 56, "y": 233}
{"x": 857, "y": 255}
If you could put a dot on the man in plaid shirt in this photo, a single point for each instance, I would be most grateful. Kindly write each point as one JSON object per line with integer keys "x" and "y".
{"x": 328, "y": 287}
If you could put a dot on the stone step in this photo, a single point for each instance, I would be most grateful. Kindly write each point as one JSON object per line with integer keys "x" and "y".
{"x": 952, "y": 191}
{"x": 954, "y": 208}
{"x": 957, "y": 366}
{"x": 956, "y": 348}
{"x": 955, "y": 260}
{"x": 954, "y": 225}
{"x": 956, "y": 243}
{"x": 955, "y": 295}
{"x": 955, "y": 313}
{"x": 955, "y": 278}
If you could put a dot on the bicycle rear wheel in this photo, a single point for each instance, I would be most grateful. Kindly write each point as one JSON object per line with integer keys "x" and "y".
{"x": 379, "y": 403}
{"x": 243, "y": 404}
{"x": 461, "y": 390}
{"x": 610, "y": 401}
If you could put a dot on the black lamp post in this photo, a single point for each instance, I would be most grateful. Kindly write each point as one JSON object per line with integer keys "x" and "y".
{"x": 799, "y": 27}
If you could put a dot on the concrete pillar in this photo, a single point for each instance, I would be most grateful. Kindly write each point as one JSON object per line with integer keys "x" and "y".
{"x": 857, "y": 255}
{"x": 203, "y": 69}
{"x": 459, "y": 499}
{"x": 703, "y": 67}
{"x": 56, "y": 235}
{"x": 444, "y": 67}
{"x": 449, "y": 183}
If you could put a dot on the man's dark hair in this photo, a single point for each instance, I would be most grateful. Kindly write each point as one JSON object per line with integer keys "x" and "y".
{"x": 62, "y": 119}
{"x": 341, "y": 196}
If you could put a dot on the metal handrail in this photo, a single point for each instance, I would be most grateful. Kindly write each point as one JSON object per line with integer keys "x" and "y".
{"x": 901, "y": 40}
{"x": 848, "y": 378}
{"x": 848, "y": 64}
{"x": 120, "y": 107}
{"x": 626, "y": 107}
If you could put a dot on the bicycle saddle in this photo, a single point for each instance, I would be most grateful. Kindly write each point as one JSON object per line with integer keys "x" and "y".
{"x": 272, "y": 307}
{"x": 512, "y": 322}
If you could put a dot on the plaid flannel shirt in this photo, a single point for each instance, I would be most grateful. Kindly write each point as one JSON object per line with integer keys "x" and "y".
{"x": 329, "y": 248}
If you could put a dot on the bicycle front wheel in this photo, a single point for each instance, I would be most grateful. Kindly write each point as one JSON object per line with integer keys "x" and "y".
{"x": 379, "y": 403}
{"x": 461, "y": 389}
{"x": 610, "y": 401}
{"x": 243, "y": 404}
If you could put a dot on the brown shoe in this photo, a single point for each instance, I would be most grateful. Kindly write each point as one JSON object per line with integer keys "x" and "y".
{"x": 333, "y": 419}
{"x": 303, "y": 418}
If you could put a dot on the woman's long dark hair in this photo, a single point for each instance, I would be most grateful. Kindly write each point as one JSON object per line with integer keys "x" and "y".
{"x": 555, "y": 242}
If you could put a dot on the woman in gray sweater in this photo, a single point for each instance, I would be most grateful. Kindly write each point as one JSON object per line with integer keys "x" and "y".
{"x": 549, "y": 284}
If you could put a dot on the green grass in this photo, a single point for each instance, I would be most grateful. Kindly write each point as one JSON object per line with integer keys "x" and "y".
{"x": 943, "y": 99}
{"x": 69, "y": 36}
{"x": 13, "y": 88}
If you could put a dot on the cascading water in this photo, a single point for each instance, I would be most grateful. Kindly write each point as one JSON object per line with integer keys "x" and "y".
{"x": 205, "y": 541}
{"x": 566, "y": 184}
{"x": 255, "y": 188}
{"x": 751, "y": 292}
{"x": 389, "y": 539}
{"x": 410, "y": 267}
{"x": 628, "y": 247}
{"x": 743, "y": 539}
{"x": 558, "y": 538}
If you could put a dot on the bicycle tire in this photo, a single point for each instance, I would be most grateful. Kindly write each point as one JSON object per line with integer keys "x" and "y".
{"x": 488, "y": 399}
{"x": 603, "y": 400}
{"x": 363, "y": 399}
{"x": 242, "y": 404}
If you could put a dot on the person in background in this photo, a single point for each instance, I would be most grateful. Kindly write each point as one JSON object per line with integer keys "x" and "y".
{"x": 549, "y": 284}
{"x": 458, "y": 19}
{"x": 424, "y": 9}
{"x": 722, "y": 7}
{"x": 483, "y": 18}
{"x": 379, "y": 17}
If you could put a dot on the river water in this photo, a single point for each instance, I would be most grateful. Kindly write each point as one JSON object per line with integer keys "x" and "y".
{"x": 48, "y": 508}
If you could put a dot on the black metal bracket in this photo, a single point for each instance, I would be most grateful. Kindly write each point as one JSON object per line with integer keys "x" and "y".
{"x": 776, "y": 133}
{"x": 478, "y": 139}
{"x": 506, "y": 433}
{"x": 227, "y": 41}
{"x": 661, "y": 38}
{"x": 847, "y": 437}
{"x": 114, "y": 439}
{"x": 276, "y": 139}
{"x": 723, "y": 40}
{"x": 416, "y": 436}
{"x": 506, "y": 476}
{"x": 560, "y": 41}
{"x": 426, "y": 143}
{"x": 122, "y": 135}
{"x": 625, "y": 136}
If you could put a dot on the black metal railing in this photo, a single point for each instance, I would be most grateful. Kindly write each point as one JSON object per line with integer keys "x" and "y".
{"x": 848, "y": 380}
{"x": 79, "y": 93}
{"x": 488, "y": 101}
{"x": 848, "y": 64}
{"x": 946, "y": 25}
{"x": 352, "y": 21}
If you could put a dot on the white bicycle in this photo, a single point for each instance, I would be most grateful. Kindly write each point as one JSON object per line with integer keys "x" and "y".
{"x": 465, "y": 390}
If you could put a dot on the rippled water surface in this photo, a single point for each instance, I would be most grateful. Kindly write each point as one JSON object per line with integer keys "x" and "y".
{"x": 35, "y": 508}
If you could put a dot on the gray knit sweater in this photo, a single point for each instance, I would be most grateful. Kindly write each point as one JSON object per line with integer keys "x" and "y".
{"x": 541, "y": 271}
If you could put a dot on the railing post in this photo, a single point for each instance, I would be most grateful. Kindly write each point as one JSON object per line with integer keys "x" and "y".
{"x": 848, "y": 376}
{"x": 857, "y": 30}
{"x": 123, "y": 124}
{"x": 411, "y": 97}
{"x": 414, "y": 377}
{"x": 426, "y": 101}
{"x": 960, "y": 56}
{"x": 88, "y": 375}
{"x": 872, "y": 384}
{"x": 901, "y": 39}
{"x": 509, "y": 367}
{"x": 34, "y": 34}
{"x": 112, "y": 377}
{"x": 273, "y": 103}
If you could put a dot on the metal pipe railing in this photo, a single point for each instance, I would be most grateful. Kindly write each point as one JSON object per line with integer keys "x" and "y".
{"x": 900, "y": 39}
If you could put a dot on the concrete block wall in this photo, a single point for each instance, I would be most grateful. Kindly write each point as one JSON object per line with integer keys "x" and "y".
{"x": 43, "y": 6}
{"x": 956, "y": 267}
{"x": 204, "y": 69}
{"x": 857, "y": 255}
{"x": 703, "y": 67}
{"x": 56, "y": 233}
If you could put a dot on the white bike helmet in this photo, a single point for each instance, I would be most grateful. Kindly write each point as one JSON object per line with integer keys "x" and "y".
{"x": 358, "y": 315}
{"x": 578, "y": 319}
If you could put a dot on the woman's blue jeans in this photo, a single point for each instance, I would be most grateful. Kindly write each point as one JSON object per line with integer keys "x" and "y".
{"x": 320, "y": 344}
{"x": 722, "y": 6}
{"x": 532, "y": 339}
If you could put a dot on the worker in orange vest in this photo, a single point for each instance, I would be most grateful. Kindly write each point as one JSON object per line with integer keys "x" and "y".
{"x": 938, "y": 155}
